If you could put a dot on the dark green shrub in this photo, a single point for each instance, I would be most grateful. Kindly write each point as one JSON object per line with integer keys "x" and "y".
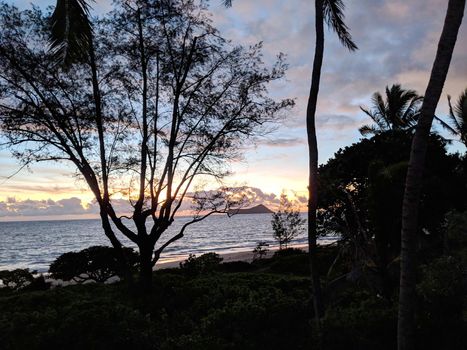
{"x": 206, "y": 263}
{"x": 442, "y": 291}
{"x": 298, "y": 264}
{"x": 73, "y": 318}
{"x": 97, "y": 263}
{"x": 239, "y": 311}
{"x": 17, "y": 279}
{"x": 288, "y": 252}
{"x": 236, "y": 266}
{"x": 361, "y": 321}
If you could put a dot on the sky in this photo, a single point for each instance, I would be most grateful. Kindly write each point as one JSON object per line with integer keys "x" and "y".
{"x": 397, "y": 43}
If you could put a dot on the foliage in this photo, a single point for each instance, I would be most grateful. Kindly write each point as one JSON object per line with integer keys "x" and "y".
{"x": 181, "y": 313}
{"x": 236, "y": 266}
{"x": 204, "y": 264}
{"x": 260, "y": 250}
{"x": 288, "y": 252}
{"x": 17, "y": 279}
{"x": 442, "y": 290}
{"x": 73, "y": 318}
{"x": 268, "y": 306}
{"x": 362, "y": 186}
{"x": 457, "y": 124}
{"x": 97, "y": 263}
{"x": 360, "y": 321}
{"x": 398, "y": 112}
{"x": 287, "y": 222}
{"x": 71, "y": 32}
{"x": 361, "y": 201}
{"x": 455, "y": 240}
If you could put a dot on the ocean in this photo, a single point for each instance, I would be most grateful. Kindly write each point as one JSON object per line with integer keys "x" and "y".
{"x": 35, "y": 244}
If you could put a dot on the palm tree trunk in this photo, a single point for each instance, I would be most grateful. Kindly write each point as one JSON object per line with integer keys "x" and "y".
{"x": 313, "y": 158}
{"x": 407, "y": 294}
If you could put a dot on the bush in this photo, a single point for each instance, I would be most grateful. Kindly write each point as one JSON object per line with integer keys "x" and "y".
{"x": 17, "y": 279}
{"x": 288, "y": 252}
{"x": 97, "y": 263}
{"x": 297, "y": 264}
{"x": 360, "y": 322}
{"x": 236, "y": 266}
{"x": 442, "y": 292}
{"x": 73, "y": 318}
{"x": 206, "y": 263}
{"x": 260, "y": 251}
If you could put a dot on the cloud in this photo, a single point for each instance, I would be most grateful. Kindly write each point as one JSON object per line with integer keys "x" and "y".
{"x": 46, "y": 207}
{"x": 337, "y": 123}
{"x": 283, "y": 142}
{"x": 13, "y": 208}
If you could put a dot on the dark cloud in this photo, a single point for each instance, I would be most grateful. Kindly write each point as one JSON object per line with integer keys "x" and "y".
{"x": 283, "y": 142}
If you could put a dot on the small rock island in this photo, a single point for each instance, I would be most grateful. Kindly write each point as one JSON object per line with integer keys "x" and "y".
{"x": 259, "y": 209}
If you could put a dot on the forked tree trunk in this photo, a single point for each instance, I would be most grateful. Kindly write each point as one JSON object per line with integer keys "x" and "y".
{"x": 313, "y": 158}
{"x": 407, "y": 294}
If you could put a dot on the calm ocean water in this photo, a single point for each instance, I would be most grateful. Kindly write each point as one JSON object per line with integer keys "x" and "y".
{"x": 36, "y": 244}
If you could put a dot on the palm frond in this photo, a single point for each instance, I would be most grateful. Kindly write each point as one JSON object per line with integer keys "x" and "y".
{"x": 71, "y": 32}
{"x": 446, "y": 126}
{"x": 375, "y": 115}
{"x": 453, "y": 116}
{"x": 227, "y": 3}
{"x": 369, "y": 130}
{"x": 461, "y": 107}
{"x": 410, "y": 115}
{"x": 333, "y": 11}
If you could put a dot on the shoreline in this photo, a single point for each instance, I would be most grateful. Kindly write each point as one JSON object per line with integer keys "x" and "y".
{"x": 244, "y": 255}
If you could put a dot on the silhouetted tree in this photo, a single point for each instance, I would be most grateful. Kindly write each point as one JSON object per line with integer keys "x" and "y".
{"x": 165, "y": 101}
{"x": 362, "y": 188}
{"x": 398, "y": 112}
{"x": 287, "y": 222}
{"x": 410, "y": 209}
{"x": 331, "y": 11}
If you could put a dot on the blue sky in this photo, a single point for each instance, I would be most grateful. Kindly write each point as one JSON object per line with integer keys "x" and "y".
{"x": 397, "y": 42}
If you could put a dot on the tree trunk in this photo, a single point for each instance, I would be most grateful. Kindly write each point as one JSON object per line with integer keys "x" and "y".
{"x": 313, "y": 159}
{"x": 407, "y": 295}
{"x": 145, "y": 268}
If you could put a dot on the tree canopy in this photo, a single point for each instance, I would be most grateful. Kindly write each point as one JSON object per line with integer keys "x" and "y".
{"x": 164, "y": 100}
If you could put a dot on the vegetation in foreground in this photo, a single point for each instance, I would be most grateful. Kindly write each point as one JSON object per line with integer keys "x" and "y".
{"x": 211, "y": 305}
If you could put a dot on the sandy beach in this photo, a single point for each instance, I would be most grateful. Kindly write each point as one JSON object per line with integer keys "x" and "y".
{"x": 246, "y": 255}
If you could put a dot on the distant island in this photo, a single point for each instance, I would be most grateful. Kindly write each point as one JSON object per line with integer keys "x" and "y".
{"x": 259, "y": 209}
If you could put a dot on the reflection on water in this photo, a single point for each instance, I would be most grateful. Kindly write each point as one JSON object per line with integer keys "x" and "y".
{"x": 36, "y": 244}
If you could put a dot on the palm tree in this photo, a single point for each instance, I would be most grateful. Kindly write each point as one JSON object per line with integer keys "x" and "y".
{"x": 458, "y": 117}
{"x": 398, "y": 112}
{"x": 331, "y": 12}
{"x": 407, "y": 292}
